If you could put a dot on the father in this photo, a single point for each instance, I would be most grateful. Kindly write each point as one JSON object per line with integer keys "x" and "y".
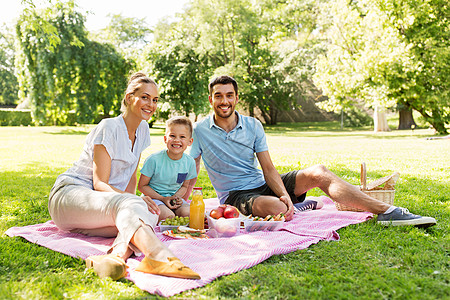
{"x": 228, "y": 141}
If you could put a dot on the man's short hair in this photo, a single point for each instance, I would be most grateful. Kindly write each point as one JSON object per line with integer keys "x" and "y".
{"x": 224, "y": 79}
{"x": 180, "y": 120}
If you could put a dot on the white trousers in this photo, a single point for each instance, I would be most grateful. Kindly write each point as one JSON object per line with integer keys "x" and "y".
{"x": 79, "y": 209}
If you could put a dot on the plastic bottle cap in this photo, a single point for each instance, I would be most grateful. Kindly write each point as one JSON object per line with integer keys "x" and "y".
{"x": 197, "y": 188}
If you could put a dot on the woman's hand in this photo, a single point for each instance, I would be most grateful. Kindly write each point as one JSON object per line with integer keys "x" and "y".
{"x": 152, "y": 207}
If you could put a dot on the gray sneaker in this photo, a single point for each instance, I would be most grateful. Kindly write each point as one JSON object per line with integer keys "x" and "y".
{"x": 402, "y": 217}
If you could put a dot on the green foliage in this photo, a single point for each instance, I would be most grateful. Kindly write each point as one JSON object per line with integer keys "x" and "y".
{"x": 73, "y": 74}
{"x": 271, "y": 60}
{"x": 369, "y": 261}
{"x": 356, "y": 117}
{"x": 181, "y": 74}
{"x": 387, "y": 53}
{"x": 8, "y": 82}
{"x": 128, "y": 35}
{"x": 125, "y": 31}
{"x": 14, "y": 117}
{"x": 425, "y": 26}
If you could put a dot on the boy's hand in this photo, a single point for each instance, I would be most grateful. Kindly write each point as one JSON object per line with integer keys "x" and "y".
{"x": 173, "y": 202}
{"x": 152, "y": 207}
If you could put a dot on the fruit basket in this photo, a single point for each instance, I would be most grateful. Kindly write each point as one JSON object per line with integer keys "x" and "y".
{"x": 381, "y": 189}
{"x": 169, "y": 224}
{"x": 218, "y": 228}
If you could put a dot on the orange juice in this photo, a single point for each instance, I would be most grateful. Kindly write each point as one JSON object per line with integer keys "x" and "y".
{"x": 197, "y": 210}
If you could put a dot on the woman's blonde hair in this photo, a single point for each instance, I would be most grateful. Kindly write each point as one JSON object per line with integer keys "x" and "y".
{"x": 134, "y": 83}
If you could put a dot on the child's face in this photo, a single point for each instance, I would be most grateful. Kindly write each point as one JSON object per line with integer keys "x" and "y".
{"x": 177, "y": 138}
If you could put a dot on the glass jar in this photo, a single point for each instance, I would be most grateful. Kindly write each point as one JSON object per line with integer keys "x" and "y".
{"x": 197, "y": 209}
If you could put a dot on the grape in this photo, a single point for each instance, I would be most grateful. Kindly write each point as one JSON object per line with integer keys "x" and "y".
{"x": 176, "y": 221}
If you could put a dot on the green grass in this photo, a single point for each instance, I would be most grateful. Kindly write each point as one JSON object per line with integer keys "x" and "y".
{"x": 369, "y": 262}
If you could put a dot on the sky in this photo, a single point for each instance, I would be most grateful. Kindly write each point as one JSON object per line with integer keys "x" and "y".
{"x": 151, "y": 10}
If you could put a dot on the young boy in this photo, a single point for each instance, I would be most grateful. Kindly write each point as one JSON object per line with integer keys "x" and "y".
{"x": 165, "y": 174}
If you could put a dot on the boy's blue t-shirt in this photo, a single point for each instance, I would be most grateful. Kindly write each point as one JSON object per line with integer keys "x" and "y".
{"x": 168, "y": 175}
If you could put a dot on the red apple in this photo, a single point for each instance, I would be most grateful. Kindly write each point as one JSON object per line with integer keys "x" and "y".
{"x": 230, "y": 212}
{"x": 216, "y": 213}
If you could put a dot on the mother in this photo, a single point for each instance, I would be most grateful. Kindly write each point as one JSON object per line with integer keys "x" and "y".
{"x": 97, "y": 195}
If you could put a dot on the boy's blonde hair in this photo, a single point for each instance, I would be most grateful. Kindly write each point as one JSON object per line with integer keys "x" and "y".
{"x": 180, "y": 120}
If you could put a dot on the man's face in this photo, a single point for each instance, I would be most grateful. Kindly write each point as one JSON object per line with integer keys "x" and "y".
{"x": 223, "y": 100}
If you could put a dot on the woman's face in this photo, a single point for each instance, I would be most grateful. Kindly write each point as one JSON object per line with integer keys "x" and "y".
{"x": 143, "y": 102}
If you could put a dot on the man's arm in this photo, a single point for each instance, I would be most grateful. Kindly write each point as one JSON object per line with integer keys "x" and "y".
{"x": 192, "y": 182}
{"x": 274, "y": 181}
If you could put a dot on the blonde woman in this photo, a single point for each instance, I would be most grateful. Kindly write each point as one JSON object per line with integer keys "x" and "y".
{"x": 96, "y": 196}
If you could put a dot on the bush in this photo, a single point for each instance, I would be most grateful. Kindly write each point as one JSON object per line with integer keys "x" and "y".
{"x": 356, "y": 117}
{"x": 15, "y": 117}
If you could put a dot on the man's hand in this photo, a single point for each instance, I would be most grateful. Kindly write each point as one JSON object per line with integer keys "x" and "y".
{"x": 290, "y": 211}
{"x": 152, "y": 207}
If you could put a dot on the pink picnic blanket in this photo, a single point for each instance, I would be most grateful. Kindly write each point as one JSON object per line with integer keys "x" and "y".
{"x": 211, "y": 258}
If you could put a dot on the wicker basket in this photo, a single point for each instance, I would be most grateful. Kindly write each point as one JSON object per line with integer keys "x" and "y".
{"x": 375, "y": 189}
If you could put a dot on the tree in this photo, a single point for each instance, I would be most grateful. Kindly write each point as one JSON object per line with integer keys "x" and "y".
{"x": 425, "y": 26}
{"x": 127, "y": 35}
{"x": 8, "y": 82}
{"x": 239, "y": 37}
{"x": 71, "y": 77}
{"x": 369, "y": 58}
{"x": 181, "y": 72}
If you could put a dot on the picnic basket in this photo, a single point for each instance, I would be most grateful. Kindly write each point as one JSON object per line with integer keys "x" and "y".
{"x": 381, "y": 189}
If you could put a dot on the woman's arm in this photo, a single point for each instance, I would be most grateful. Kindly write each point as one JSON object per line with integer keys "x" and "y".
{"x": 102, "y": 170}
{"x": 131, "y": 187}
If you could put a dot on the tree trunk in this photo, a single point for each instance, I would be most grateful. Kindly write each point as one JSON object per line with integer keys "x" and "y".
{"x": 379, "y": 120}
{"x": 273, "y": 112}
{"x": 437, "y": 123}
{"x": 406, "y": 119}
{"x": 265, "y": 116}
{"x": 251, "y": 111}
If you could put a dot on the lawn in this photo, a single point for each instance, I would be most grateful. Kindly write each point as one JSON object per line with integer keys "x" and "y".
{"x": 369, "y": 261}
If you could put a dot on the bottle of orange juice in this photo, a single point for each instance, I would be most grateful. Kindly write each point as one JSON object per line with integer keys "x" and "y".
{"x": 197, "y": 210}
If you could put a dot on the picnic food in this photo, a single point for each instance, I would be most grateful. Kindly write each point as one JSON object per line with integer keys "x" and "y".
{"x": 224, "y": 228}
{"x": 279, "y": 217}
{"x": 186, "y": 232}
{"x": 216, "y": 213}
{"x": 230, "y": 212}
{"x": 175, "y": 221}
{"x": 224, "y": 211}
{"x": 221, "y": 228}
{"x": 269, "y": 223}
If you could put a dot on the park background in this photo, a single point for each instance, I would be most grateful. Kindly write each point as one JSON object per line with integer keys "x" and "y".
{"x": 295, "y": 61}
{"x": 313, "y": 72}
